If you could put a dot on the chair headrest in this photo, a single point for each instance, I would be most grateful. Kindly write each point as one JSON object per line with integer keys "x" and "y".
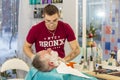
{"x": 14, "y": 63}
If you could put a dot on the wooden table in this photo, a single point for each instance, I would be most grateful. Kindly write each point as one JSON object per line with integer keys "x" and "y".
{"x": 103, "y": 76}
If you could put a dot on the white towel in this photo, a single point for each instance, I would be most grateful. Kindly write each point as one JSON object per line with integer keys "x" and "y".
{"x": 63, "y": 68}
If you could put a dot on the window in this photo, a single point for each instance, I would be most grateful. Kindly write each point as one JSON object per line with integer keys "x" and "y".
{"x": 104, "y": 16}
{"x": 8, "y": 29}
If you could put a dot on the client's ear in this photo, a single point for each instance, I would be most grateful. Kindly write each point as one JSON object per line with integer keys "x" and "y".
{"x": 51, "y": 63}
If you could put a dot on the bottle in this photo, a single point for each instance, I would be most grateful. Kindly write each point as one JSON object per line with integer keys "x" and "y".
{"x": 60, "y": 1}
{"x": 82, "y": 60}
{"x": 91, "y": 65}
{"x": 49, "y": 1}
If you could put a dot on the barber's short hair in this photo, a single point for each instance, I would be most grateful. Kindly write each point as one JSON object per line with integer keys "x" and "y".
{"x": 50, "y": 10}
{"x": 39, "y": 64}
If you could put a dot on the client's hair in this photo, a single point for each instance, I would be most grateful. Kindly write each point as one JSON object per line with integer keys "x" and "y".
{"x": 39, "y": 64}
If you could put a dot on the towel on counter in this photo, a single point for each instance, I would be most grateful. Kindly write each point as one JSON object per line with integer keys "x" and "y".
{"x": 64, "y": 69}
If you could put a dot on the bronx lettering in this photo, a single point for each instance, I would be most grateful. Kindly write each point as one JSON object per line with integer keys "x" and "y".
{"x": 55, "y": 42}
{"x": 51, "y": 43}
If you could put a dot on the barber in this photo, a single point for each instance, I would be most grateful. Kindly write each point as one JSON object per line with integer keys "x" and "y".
{"x": 51, "y": 33}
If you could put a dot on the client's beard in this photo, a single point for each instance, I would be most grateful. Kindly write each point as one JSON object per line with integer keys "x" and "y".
{"x": 54, "y": 58}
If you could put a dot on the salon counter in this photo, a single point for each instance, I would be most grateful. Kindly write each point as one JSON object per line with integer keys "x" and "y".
{"x": 100, "y": 75}
{"x": 103, "y": 76}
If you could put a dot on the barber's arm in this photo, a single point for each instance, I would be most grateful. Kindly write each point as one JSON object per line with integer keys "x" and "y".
{"x": 75, "y": 51}
{"x": 27, "y": 48}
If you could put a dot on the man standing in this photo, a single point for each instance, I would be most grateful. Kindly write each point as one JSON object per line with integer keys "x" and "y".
{"x": 51, "y": 33}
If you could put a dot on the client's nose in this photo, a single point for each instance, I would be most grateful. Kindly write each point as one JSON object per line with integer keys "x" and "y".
{"x": 49, "y": 50}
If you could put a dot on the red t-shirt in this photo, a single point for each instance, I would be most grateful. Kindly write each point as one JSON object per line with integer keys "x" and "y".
{"x": 44, "y": 39}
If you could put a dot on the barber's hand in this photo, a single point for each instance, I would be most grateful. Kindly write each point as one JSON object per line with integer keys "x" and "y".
{"x": 61, "y": 59}
{"x": 32, "y": 58}
{"x": 45, "y": 51}
{"x": 38, "y": 53}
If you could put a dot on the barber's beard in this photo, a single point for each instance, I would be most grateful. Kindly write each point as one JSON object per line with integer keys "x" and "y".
{"x": 54, "y": 58}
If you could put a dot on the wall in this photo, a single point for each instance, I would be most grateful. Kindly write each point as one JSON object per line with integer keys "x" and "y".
{"x": 70, "y": 14}
{"x": 23, "y": 26}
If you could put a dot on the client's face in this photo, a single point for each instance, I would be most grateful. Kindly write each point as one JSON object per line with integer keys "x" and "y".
{"x": 50, "y": 56}
{"x": 54, "y": 58}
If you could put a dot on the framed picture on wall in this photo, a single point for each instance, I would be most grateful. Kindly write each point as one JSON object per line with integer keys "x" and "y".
{"x": 38, "y": 13}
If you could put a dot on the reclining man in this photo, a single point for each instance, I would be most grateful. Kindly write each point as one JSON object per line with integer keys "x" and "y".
{"x": 47, "y": 65}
